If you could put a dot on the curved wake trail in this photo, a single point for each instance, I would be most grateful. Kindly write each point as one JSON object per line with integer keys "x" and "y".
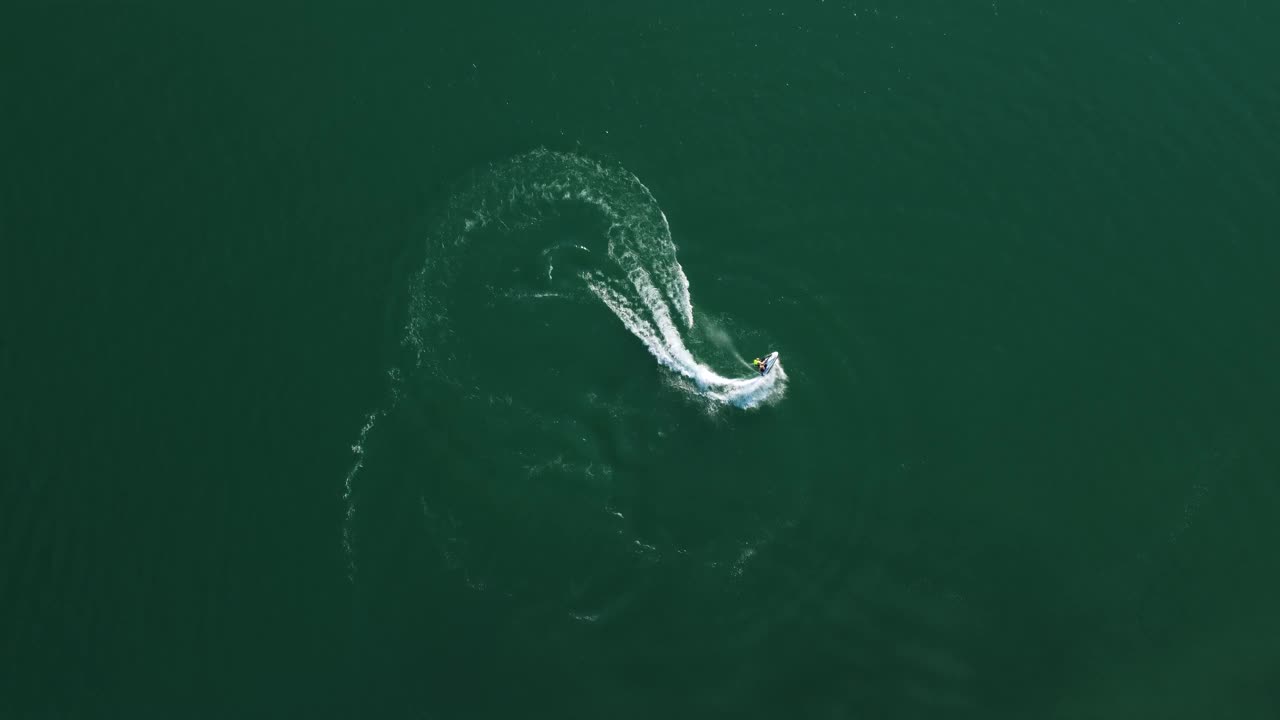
{"x": 665, "y": 343}
{"x": 637, "y": 277}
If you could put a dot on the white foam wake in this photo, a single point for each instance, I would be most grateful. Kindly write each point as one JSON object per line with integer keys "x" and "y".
{"x": 642, "y": 283}
{"x": 638, "y": 278}
{"x": 661, "y": 336}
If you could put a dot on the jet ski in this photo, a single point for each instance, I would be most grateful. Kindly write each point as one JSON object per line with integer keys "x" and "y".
{"x": 764, "y": 367}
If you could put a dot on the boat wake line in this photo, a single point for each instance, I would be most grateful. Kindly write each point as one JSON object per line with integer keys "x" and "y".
{"x": 636, "y": 276}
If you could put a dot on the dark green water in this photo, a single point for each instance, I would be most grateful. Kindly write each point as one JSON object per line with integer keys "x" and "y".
{"x": 1020, "y": 261}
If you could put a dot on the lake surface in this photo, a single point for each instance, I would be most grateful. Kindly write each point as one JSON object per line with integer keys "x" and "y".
{"x": 395, "y": 361}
